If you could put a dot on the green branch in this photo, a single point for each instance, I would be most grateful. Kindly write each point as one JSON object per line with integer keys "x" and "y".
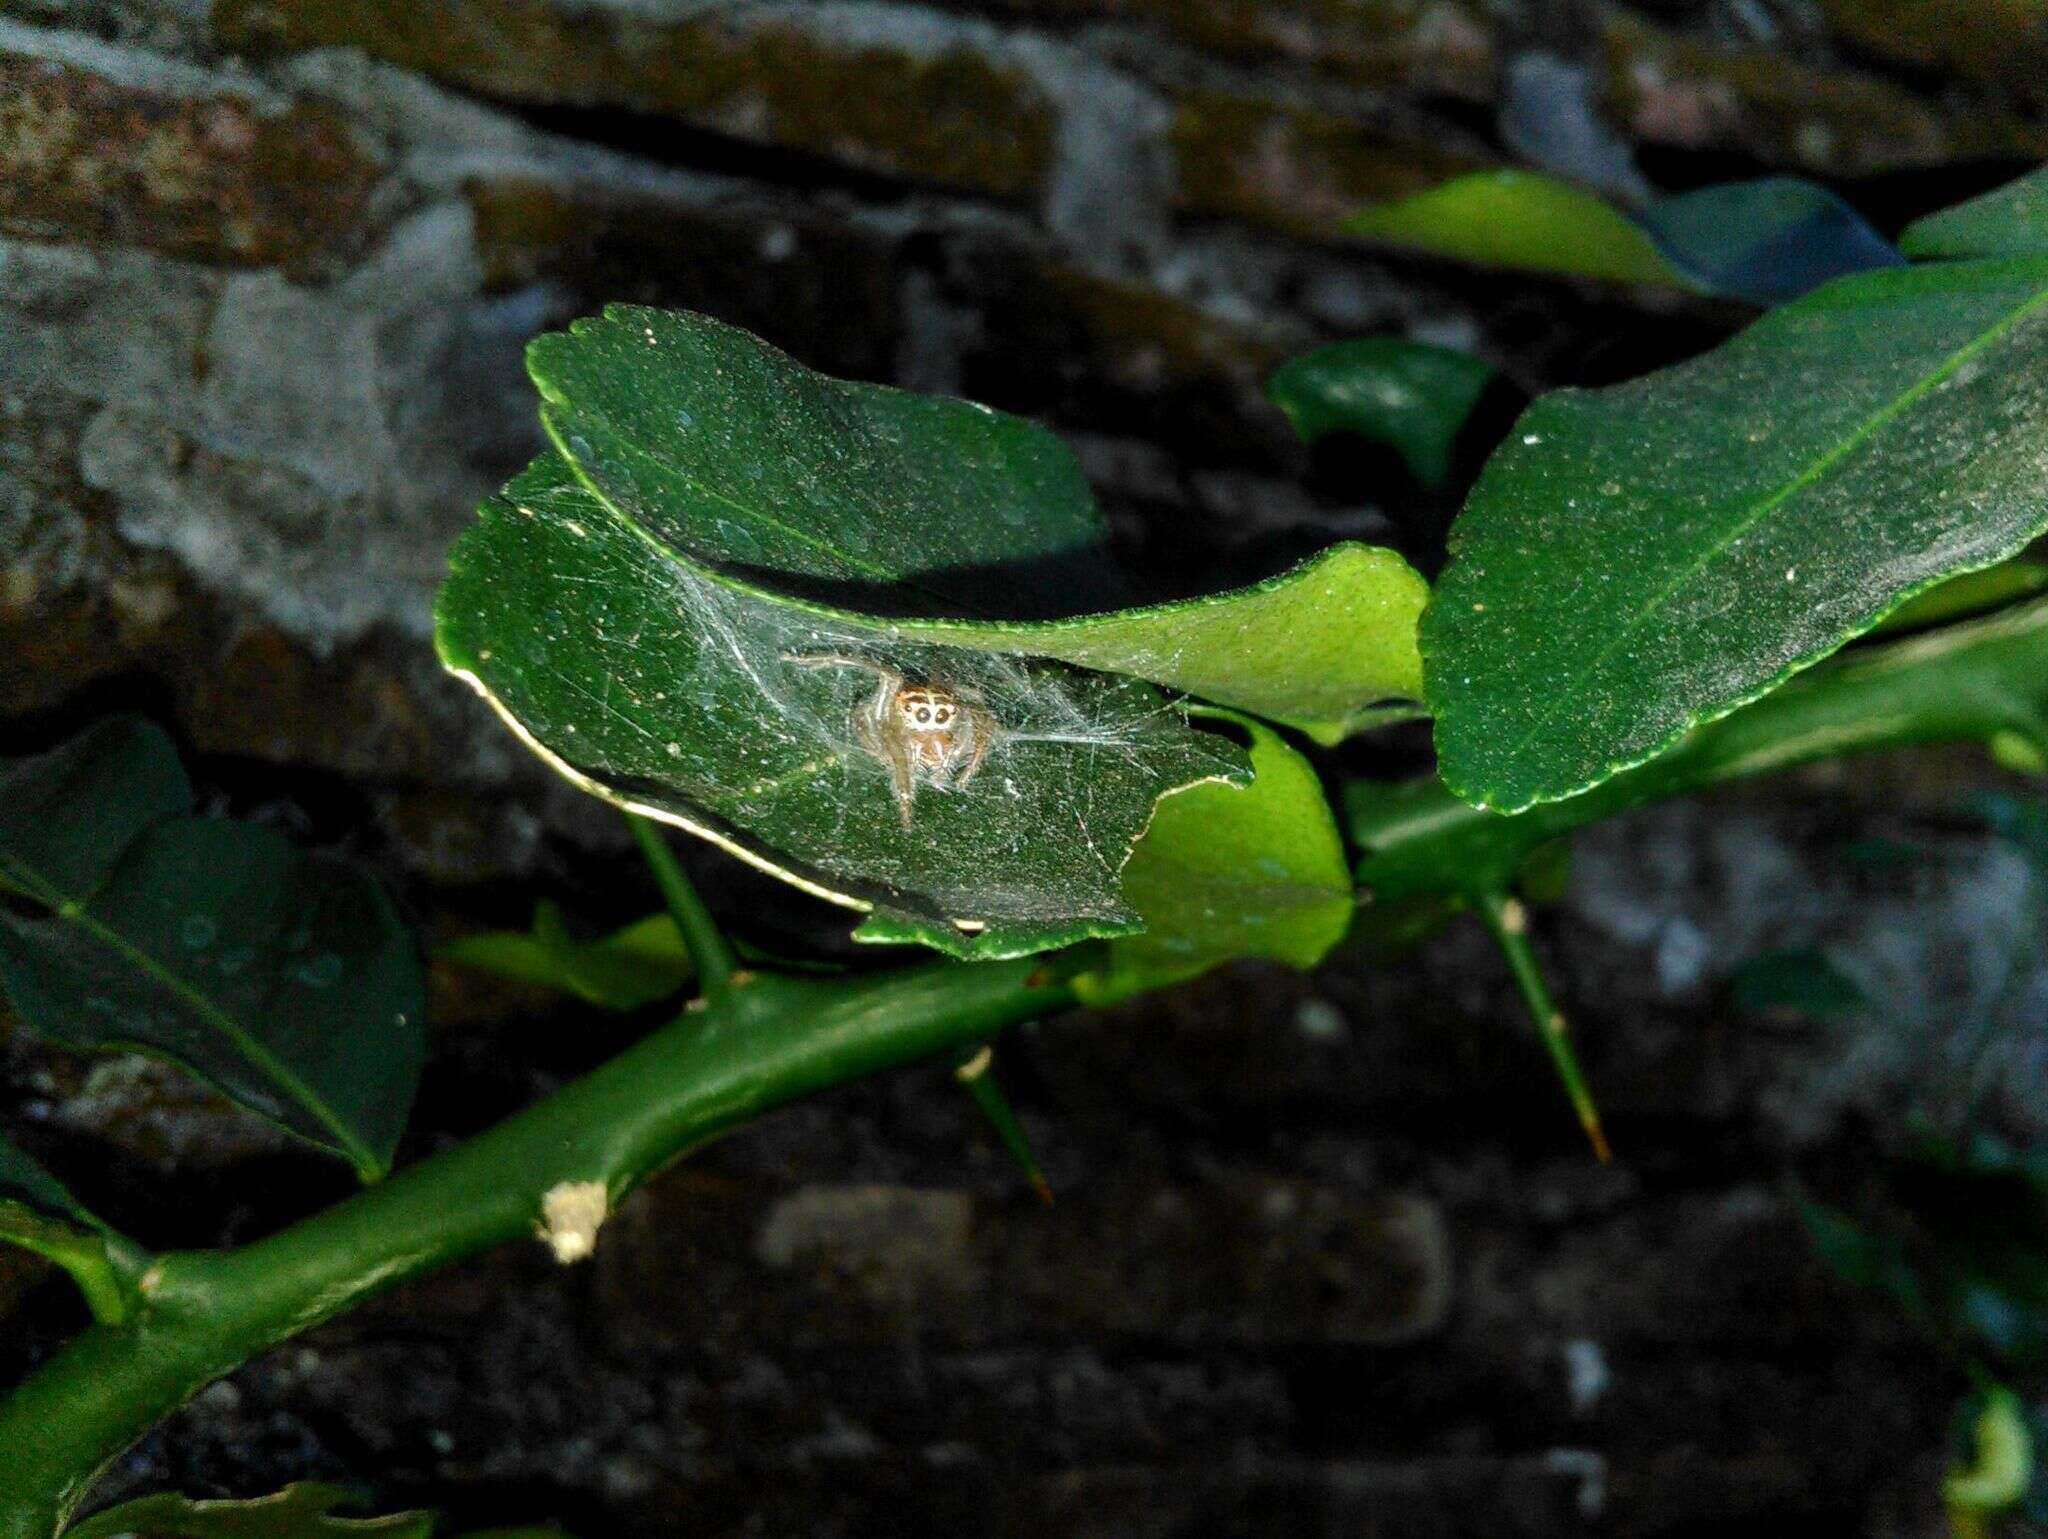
{"x": 705, "y": 941}
{"x": 753, "y": 1047}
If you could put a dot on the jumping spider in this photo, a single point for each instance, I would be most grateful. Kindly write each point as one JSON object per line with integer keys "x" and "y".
{"x": 915, "y": 728}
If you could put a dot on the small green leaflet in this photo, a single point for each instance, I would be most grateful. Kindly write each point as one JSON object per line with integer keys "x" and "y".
{"x": 630, "y": 967}
{"x": 1233, "y": 871}
{"x": 1408, "y": 395}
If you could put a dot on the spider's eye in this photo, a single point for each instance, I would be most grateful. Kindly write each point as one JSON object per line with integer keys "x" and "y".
{"x": 923, "y": 713}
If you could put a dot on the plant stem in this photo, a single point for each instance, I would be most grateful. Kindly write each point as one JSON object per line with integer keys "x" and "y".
{"x": 758, "y": 1044}
{"x": 1509, "y": 922}
{"x": 706, "y": 941}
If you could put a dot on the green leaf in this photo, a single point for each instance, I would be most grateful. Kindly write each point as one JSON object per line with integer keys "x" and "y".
{"x": 1320, "y": 647}
{"x": 1801, "y": 980}
{"x": 633, "y": 966}
{"x": 1418, "y": 843}
{"x": 674, "y": 696}
{"x": 1863, "y": 1258}
{"x": 1232, "y": 871}
{"x": 1407, "y": 395}
{"x": 1972, "y": 593}
{"x": 66, "y": 815}
{"x": 296, "y": 1512}
{"x": 918, "y": 513}
{"x": 26, "y": 1186}
{"x": 730, "y": 455}
{"x": 670, "y": 576}
{"x": 1640, "y": 559}
{"x": 2007, "y": 221}
{"x": 1522, "y": 220}
{"x": 38, "y": 1213}
{"x": 286, "y": 980}
{"x": 2000, "y": 1466}
{"x": 1764, "y": 241}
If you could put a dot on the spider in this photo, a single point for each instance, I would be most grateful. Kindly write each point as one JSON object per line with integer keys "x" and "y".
{"x": 942, "y": 733}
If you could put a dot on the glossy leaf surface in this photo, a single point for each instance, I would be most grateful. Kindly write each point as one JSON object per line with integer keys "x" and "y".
{"x": 1408, "y": 395}
{"x": 649, "y": 611}
{"x": 66, "y": 815}
{"x": 922, "y": 513}
{"x": 1523, "y": 220}
{"x": 2007, "y": 221}
{"x": 1644, "y": 558}
{"x": 296, "y": 1512}
{"x": 1233, "y": 871}
{"x": 689, "y": 700}
{"x": 286, "y": 980}
{"x": 1316, "y": 647}
{"x": 733, "y": 456}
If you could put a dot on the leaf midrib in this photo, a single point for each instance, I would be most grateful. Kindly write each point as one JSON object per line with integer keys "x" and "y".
{"x": 74, "y": 911}
{"x": 1819, "y": 467}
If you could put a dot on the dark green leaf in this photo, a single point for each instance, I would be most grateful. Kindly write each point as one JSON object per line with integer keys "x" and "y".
{"x": 296, "y": 1512}
{"x": 38, "y": 1214}
{"x": 1970, "y": 594}
{"x": 66, "y": 815}
{"x": 1861, "y": 1257}
{"x": 2007, "y": 221}
{"x": 1644, "y": 558}
{"x": 1523, "y": 220}
{"x": 25, "y": 1184}
{"x": 285, "y": 979}
{"x": 631, "y": 967}
{"x": 902, "y": 506}
{"x": 642, "y": 613}
{"x": 1764, "y": 241}
{"x": 1805, "y": 981}
{"x": 675, "y": 696}
{"x": 732, "y": 456}
{"x": 1418, "y": 842}
{"x": 1407, "y": 395}
{"x": 1233, "y": 871}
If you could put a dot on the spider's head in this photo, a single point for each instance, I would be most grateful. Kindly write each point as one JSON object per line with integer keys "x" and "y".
{"x": 923, "y": 709}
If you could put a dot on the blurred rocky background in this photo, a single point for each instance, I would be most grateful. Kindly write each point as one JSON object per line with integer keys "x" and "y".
{"x": 1326, "y": 1259}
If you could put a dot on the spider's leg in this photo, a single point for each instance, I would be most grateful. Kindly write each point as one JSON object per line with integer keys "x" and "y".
{"x": 902, "y": 778}
{"x": 891, "y": 679}
{"x": 981, "y": 737}
{"x": 871, "y": 731}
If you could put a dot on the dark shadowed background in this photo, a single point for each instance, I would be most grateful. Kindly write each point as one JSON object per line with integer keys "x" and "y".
{"x": 1327, "y": 1256}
